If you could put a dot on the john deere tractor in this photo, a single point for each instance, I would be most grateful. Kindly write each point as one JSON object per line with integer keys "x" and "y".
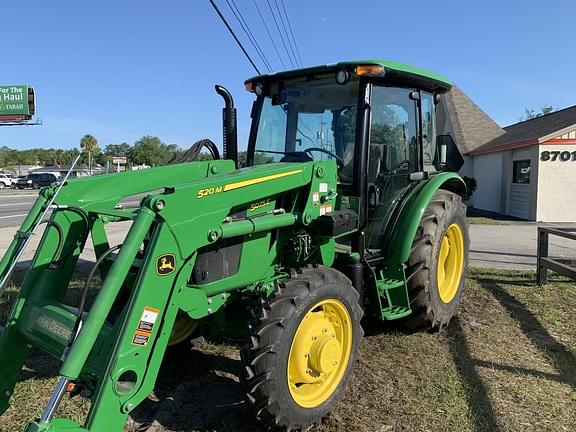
{"x": 348, "y": 210}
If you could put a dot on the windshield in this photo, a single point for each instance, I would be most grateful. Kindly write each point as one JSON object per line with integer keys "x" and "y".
{"x": 309, "y": 120}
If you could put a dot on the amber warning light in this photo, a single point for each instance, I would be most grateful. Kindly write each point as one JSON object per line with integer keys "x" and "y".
{"x": 370, "y": 70}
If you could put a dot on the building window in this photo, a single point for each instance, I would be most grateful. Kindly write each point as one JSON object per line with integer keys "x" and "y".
{"x": 521, "y": 172}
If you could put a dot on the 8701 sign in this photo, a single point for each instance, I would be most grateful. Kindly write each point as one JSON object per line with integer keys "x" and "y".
{"x": 562, "y": 156}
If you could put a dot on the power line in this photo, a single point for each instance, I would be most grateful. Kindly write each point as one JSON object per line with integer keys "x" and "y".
{"x": 248, "y": 32}
{"x": 286, "y": 32}
{"x": 269, "y": 34}
{"x": 235, "y": 37}
{"x": 291, "y": 32}
{"x": 306, "y": 38}
{"x": 279, "y": 32}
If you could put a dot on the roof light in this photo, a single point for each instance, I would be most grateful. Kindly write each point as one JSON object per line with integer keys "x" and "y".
{"x": 342, "y": 76}
{"x": 249, "y": 86}
{"x": 370, "y": 70}
{"x": 258, "y": 89}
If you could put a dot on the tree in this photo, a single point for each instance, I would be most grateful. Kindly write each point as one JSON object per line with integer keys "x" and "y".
{"x": 90, "y": 145}
{"x": 150, "y": 150}
{"x": 530, "y": 114}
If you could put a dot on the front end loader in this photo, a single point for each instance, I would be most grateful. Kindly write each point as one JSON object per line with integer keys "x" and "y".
{"x": 349, "y": 210}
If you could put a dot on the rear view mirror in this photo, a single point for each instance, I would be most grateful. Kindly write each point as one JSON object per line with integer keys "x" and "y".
{"x": 448, "y": 157}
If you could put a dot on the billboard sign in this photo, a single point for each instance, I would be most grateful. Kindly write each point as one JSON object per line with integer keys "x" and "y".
{"x": 119, "y": 159}
{"x": 15, "y": 100}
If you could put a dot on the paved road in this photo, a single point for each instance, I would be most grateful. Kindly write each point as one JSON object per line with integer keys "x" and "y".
{"x": 14, "y": 206}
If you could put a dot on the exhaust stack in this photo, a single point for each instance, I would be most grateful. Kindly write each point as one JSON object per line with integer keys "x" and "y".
{"x": 229, "y": 126}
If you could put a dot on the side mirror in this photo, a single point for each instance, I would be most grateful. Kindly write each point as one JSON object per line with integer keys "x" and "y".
{"x": 448, "y": 157}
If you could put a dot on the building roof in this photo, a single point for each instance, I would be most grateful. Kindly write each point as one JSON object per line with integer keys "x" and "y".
{"x": 471, "y": 127}
{"x": 533, "y": 131}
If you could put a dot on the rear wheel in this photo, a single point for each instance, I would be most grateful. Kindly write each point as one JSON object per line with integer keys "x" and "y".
{"x": 303, "y": 349}
{"x": 437, "y": 267}
{"x": 183, "y": 329}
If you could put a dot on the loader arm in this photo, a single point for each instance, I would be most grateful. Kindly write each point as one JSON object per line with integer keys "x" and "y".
{"x": 200, "y": 207}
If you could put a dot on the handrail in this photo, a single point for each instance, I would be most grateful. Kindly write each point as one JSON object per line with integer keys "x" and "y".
{"x": 545, "y": 262}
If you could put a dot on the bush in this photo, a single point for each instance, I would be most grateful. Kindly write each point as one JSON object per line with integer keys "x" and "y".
{"x": 471, "y": 186}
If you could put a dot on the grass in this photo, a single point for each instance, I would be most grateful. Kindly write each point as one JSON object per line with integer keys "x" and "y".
{"x": 484, "y": 217}
{"x": 506, "y": 363}
{"x": 483, "y": 220}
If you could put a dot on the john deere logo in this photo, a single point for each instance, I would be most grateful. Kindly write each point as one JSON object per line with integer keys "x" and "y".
{"x": 165, "y": 264}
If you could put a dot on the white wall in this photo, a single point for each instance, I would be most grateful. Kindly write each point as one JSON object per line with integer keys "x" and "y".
{"x": 487, "y": 170}
{"x": 556, "y": 187}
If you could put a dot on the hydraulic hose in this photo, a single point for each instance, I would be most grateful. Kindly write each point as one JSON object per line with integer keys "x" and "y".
{"x": 84, "y": 295}
{"x": 60, "y": 237}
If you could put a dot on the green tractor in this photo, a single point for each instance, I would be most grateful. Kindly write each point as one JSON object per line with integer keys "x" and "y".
{"x": 348, "y": 210}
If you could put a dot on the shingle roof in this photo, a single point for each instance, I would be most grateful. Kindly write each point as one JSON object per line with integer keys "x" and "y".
{"x": 472, "y": 128}
{"x": 531, "y": 131}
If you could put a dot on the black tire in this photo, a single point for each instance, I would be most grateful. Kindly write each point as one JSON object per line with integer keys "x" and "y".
{"x": 265, "y": 358}
{"x": 445, "y": 209}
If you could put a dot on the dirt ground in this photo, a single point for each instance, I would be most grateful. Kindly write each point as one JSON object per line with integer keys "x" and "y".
{"x": 506, "y": 363}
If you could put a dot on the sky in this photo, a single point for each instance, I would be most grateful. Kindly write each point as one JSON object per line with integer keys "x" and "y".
{"x": 120, "y": 70}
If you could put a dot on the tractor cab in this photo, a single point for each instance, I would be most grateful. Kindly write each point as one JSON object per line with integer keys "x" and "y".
{"x": 376, "y": 119}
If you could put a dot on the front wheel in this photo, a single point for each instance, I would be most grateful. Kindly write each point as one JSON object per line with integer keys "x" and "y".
{"x": 303, "y": 349}
{"x": 437, "y": 266}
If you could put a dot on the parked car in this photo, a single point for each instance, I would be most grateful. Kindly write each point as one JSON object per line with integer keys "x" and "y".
{"x": 5, "y": 181}
{"x": 36, "y": 181}
{"x": 20, "y": 182}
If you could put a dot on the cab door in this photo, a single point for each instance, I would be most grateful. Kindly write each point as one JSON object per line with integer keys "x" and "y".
{"x": 392, "y": 155}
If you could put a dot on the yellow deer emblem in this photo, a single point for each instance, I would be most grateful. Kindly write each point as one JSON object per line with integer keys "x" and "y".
{"x": 165, "y": 264}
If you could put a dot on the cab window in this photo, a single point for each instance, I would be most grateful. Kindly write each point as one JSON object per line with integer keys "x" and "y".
{"x": 309, "y": 121}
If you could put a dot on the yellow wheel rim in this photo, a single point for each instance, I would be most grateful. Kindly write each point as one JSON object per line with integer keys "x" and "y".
{"x": 450, "y": 263}
{"x": 320, "y": 353}
{"x": 183, "y": 329}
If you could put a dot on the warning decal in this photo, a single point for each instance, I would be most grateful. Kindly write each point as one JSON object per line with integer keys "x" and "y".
{"x": 315, "y": 198}
{"x": 325, "y": 209}
{"x": 141, "y": 339}
{"x": 145, "y": 326}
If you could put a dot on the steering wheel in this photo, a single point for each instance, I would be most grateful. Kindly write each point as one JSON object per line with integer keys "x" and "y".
{"x": 339, "y": 160}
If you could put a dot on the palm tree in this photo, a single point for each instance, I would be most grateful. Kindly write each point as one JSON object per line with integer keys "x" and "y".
{"x": 90, "y": 144}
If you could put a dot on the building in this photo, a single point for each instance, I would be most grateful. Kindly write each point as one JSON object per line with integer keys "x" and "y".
{"x": 62, "y": 170}
{"x": 20, "y": 170}
{"x": 526, "y": 170}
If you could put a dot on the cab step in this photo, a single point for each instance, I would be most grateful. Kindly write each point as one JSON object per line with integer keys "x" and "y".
{"x": 395, "y": 312}
{"x": 393, "y": 293}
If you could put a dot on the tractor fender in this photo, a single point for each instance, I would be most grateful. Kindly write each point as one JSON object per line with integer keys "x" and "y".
{"x": 402, "y": 232}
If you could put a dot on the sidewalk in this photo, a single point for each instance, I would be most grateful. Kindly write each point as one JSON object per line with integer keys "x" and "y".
{"x": 512, "y": 246}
